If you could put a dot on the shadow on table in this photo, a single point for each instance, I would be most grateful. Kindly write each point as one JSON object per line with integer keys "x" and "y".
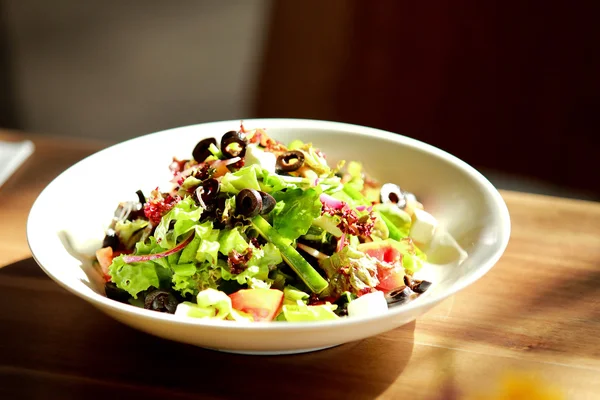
{"x": 55, "y": 343}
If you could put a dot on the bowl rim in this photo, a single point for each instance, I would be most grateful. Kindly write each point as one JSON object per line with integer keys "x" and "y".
{"x": 103, "y": 302}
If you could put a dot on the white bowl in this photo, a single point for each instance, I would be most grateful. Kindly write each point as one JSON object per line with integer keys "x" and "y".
{"x": 69, "y": 217}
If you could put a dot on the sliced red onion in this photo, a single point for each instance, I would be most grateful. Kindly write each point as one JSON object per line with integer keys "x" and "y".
{"x": 313, "y": 252}
{"x": 149, "y": 257}
{"x": 363, "y": 208}
{"x": 226, "y": 162}
{"x": 331, "y": 201}
{"x": 185, "y": 173}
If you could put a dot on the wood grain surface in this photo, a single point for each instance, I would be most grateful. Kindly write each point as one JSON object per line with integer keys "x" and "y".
{"x": 535, "y": 316}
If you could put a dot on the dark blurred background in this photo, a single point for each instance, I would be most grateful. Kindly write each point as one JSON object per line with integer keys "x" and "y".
{"x": 513, "y": 88}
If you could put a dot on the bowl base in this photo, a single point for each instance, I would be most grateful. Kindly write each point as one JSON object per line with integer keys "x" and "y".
{"x": 272, "y": 353}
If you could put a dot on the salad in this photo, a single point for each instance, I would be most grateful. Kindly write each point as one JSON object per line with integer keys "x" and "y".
{"x": 257, "y": 230}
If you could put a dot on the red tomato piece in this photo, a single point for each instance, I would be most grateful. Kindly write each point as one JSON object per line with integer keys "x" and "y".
{"x": 391, "y": 274}
{"x": 262, "y": 304}
{"x": 105, "y": 257}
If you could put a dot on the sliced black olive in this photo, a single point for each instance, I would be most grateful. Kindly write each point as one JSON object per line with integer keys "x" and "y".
{"x": 204, "y": 172}
{"x": 198, "y": 192}
{"x": 215, "y": 212}
{"x": 111, "y": 240}
{"x": 207, "y": 192}
{"x": 248, "y": 203}
{"x": 416, "y": 286}
{"x": 268, "y": 203}
{"x": 141, "y": 197}
{"x": 114, "y": 293}
{"x": 201, "y": 150}
{"x": 391, "y": 193}
{"x": 160, "y": 300}
{"x": 400, "y": 295}
{"x": 289, "y": 161}
{"x": 420, "y": 286}
{"x": 210, "y": 189}
{"x": 233, "y": 144}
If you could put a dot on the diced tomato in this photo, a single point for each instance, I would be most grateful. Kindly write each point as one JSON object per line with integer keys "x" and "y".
{"x": 390, "y": 278}
{"x": 390, "y": 273}
{"x": 381, "y": 251}
{"x": 262, "y": 304}
{"x": 105, "y": 257}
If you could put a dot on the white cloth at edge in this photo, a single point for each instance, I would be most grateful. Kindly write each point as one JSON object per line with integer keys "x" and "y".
{"x": 12, "y": 156}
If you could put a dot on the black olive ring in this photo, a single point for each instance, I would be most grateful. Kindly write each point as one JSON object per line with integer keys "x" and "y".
{"x": 249, "y": 203}
{"x": 400, "y": 295}
{"x": 391, "y": 193}
{"x": 289, "y": 161}
{"x": 201, "y": 150}
{"x": 230, "y": 138}
{"x": 210, "y": 189}
{"x": 160, "y": 300}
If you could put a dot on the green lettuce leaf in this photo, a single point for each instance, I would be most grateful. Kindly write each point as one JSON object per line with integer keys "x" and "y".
{"x": 256, "y": 274}
{"x": 345, "y": 197}
{"x": 232, "y": 239}
{"x": 349, "y": 270}
{"x": 208, "y": 275}
{"x": 185, "y": 214}
{"x": 380, "y": 229}
{"x": 208, "y": 248}
{"x": 183, "y": 278}
{"x": 256, "y": 177}
{"x": 295, "y": 212}
{"x": 134, "y": 278}
{"x": 355, "y": 170}
{"x": 188, "y": 254}
{"x": 188, "y": 186}
{"x": 129, "y": 232}
{"x": 268, "y": 256}
{"x": 245, "y": 178}
{"x": 196, "y": 269}
{"x": 397, "y": 220}
{"x": 203, "y": 276}
{"x": 137, "y": 277}
{"x": 271, "y": 183}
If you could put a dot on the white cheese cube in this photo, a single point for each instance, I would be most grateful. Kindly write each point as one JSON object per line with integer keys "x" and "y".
{"x": 423, "y": 227}
{"x": 368, "y": 304}
{"x": 265, "y": 159}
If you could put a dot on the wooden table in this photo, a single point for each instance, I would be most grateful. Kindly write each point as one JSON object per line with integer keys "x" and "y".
{"x": 537, "y": 313}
